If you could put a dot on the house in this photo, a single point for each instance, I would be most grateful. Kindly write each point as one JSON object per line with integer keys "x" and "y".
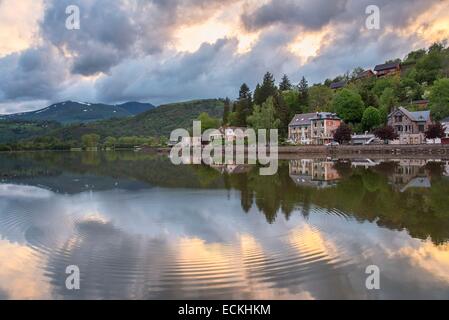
{"x": 313, "y": 128}
{"x": 421, "y": 104}
{"x": 445, "y": 124}
{"x": 323, "y": 126}
{"x": 392, "y": 68}
{"x": 360, "y": 139}
{"x": 337, "y": 85}
{"x": 228, "y": 134}
{"x": 299, "y": 128}
{"x": 410, "y": 126}
{"x": 365, "y": 75}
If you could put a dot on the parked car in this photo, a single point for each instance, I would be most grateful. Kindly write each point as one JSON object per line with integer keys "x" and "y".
{"x": 332, "y": 144}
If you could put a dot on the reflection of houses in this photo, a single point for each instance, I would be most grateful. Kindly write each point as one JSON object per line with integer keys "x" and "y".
{"x": 387, "y": 69}
{"x": 312, "y": 173}
{"x": 410, "y": 174}
{"x": 364, "y": 163}
{"x": 313, "y": 128}
{"x": 410, "y": 126}
{"x": 231, "y": 167}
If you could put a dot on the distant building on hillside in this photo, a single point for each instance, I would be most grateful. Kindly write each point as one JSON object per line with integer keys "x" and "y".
{"x": 392, "y": 68}
{"x": 313, "y": 128}
{"x": 421, "y": 104}
{"x": 410, "y": 126}
{"x": 338, "y": 85}
{"x": 365, "y": 75}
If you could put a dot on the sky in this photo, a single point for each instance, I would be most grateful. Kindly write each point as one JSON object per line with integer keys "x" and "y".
{"x": 163, "y": 51}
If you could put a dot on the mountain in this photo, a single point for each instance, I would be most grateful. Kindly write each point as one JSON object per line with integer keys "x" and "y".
{"x": 160, "y": 121}
{"x": 81, "y": 112}
{"x": 11, "y": 131}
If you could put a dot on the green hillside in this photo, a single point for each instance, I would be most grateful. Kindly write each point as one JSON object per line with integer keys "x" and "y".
{"x": 156, "y": 122}
{"x": 11, "y": 131}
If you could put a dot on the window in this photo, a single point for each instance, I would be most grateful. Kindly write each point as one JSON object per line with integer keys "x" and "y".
{"x": 421, "y": 128}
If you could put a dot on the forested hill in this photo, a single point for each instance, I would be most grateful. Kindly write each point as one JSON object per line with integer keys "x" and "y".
{"x": 156, "y": 122}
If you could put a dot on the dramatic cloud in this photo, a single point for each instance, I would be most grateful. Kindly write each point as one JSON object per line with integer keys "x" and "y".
{"x": 169, "y": 50}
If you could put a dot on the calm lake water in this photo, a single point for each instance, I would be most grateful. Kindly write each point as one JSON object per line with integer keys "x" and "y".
{"x": 139, "y": 227}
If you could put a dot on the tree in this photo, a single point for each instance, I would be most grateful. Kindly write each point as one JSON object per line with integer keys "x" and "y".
{"x": 388, "y": 99}
{"x": 439, "y": 99}
{"x": 320, "y": 98}
{"x": 207, "y": 122}
{"x": 283, "y": 114}
{"x": 226, "y": 111}
{"x": 110, "y": 142}
{"x": 435, "y": 131}
{"x": 264, "y": 117}
{"x": 285, "y": 84}
{"x": 371, "y": 118}
{"x": 244, "y": 105}
{"x": 90, "y": 140}
{"x": 343, "y": 134}
{"x": 386, "y": 133}
{"x": 304, "y": 93}
{"x": 291, "y": 99}
{"x": 349, "y": 106}
{"x": 267, "y": 89}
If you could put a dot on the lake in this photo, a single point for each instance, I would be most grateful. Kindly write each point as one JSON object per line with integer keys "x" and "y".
{"x": 138, "y": 227}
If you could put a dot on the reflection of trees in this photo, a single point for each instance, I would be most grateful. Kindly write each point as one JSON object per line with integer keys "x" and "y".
{"x": 366, "y": 194}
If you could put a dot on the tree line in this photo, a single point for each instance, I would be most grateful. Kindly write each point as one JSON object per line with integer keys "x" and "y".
{"x": 363, "y": 104}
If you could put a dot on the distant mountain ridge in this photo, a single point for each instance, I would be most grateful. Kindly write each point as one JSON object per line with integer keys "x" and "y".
{"x": 69, "y": 112}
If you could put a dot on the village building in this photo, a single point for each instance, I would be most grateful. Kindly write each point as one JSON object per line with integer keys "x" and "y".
{"x": 338, "y": 85}
{"x": 445, "y": 124}
{"x": 410, "y": 126}
{"x": 323, "y": 127}
{"x": 313, "y": 128}
{"x": 299, "y": 128}
{"x": 365, "y": 75}
{"x": 366, "y": 138}
{"x": 388, "y": 69}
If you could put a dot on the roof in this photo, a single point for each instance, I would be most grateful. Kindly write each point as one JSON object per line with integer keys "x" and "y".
{"x": 302, "y": 119}
{"x": 418, "y": 116}
{"x": 365, "y": 74}
{"x": 338, "y": 85}
{"x": 387, "y": 66}
{"x": 325, "y": 115}
{"x": 363, "y": 136}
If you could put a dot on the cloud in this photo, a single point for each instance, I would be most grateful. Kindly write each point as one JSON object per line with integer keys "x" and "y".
{"x": 129, "y": 49}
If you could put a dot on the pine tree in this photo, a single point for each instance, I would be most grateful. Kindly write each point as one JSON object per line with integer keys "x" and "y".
{"x": 283, "y": 114}
{"x": 226, "y": 111}
{"x": 244, "y": 105}
{"x": 285, "y": 84}
{"x": 304, "y": 93}
{"x": 267, "y": 89}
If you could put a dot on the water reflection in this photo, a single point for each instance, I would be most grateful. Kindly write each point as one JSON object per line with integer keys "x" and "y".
{"x": 141, "y": 228}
